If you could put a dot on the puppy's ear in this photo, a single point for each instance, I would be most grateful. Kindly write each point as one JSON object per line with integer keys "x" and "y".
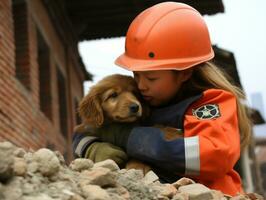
{"x": 91, "y": 111}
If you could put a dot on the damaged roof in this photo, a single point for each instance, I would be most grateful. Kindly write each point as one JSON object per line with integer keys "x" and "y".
{"x": 111, "y": 18}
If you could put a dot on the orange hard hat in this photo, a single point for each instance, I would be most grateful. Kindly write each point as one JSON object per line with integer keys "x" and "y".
{"x": 166, "y": 36}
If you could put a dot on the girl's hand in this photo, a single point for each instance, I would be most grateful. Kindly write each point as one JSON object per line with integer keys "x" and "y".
{"x": 100, "y": 151}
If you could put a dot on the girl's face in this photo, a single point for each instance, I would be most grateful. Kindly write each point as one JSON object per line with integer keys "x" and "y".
{"x": 160, "y": 87}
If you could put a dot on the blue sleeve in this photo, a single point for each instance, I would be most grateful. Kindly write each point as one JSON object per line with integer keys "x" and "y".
{"x": 80, "y": 143}
{"x": 148, "y": 144}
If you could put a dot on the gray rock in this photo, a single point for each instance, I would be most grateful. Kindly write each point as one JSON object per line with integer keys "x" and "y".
{"x": 19, "y": 152}
{"x": 182, "y": 182}
{"x": 20, "y": 166}
{"x": 150, "y": 177}
{"x": 133, "y": 174}
{"x": 166, "y": 190}
{"x": 38, "y": 197}
{"x": 99, "y": 176}
{"x": 109, "y": 164}
{"x": 60, "y": 158}
{"x": 136, "y": 188}
{"x": 13, "y": 190}
{"x": 95, "y": 192}
{"x": 81, "y": 164}
{"x": 197, "y": 191}
{"x": 118, "y": 193}
{"x": 47, "y": 161}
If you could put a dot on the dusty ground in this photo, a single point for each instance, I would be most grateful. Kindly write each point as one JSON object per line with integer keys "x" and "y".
{"x": 44, "y": 175}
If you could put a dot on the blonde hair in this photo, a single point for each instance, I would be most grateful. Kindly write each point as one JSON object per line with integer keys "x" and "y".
{"x": 206, "y": 76}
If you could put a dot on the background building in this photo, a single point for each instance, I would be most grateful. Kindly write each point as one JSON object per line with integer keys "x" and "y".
{"x": 41, "y": 76}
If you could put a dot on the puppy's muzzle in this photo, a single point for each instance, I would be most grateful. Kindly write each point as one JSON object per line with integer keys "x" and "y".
{"x": 134, "y": 108}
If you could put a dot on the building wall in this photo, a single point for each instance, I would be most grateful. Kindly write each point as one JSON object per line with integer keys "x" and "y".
{"x": 23, "y": 120}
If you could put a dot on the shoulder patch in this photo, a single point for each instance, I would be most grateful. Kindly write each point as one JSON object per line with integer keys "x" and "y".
{"x": 208, "y": 111}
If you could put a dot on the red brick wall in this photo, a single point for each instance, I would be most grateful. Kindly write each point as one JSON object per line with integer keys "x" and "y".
{"x": 21, "y": 120}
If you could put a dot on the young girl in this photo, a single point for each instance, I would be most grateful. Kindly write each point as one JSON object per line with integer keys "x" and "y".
{"x": 168, "y": 49}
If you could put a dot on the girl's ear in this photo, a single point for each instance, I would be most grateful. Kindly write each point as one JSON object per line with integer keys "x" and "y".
{"x": 185, "y": 74}
{"x": 90, "y": 110}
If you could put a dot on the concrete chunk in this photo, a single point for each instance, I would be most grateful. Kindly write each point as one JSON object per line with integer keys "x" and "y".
{"x": 197, "y": 191}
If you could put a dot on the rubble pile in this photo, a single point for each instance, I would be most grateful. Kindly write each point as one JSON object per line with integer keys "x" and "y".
{"x": 44, "y": 175}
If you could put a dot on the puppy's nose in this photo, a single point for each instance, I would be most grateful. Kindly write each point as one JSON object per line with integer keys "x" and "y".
{"x": 134, "y": 108}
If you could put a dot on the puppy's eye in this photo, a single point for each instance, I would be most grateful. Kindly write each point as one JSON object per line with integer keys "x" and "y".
{"x": 113, "y": 95}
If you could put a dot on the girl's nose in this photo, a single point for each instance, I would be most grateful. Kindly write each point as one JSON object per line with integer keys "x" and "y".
{"x": 141, "y": 84}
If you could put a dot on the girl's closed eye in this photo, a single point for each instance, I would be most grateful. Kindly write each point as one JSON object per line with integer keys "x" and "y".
{"x": 152, "y": 79}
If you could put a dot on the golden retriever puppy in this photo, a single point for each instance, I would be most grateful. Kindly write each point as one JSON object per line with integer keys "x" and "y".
{"x": 113, "y": 99}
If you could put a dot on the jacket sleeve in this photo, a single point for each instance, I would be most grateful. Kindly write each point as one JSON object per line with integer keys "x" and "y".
{"x": 80, "y": 143}
{"x": 216, "y": 147}
{"x": 211, "y": 145}
{"x": 149, "y": 144}
{"x": 114, "y": 133}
